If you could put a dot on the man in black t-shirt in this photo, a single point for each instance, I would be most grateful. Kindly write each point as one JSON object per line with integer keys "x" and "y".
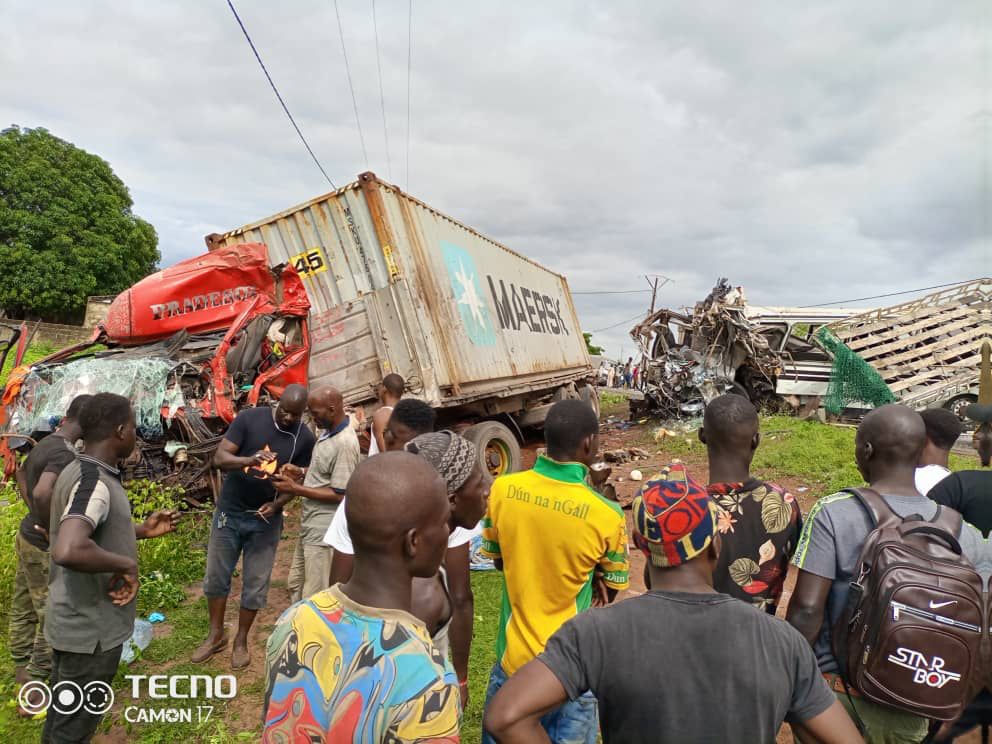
{"x": 969, "y": 492}
{"x": 36, "y": 479}
{"x": 681, "y": 663}
{"x": 248, "y": 517}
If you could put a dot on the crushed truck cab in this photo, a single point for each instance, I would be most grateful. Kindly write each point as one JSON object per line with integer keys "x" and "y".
{"x": 190, "y": 346}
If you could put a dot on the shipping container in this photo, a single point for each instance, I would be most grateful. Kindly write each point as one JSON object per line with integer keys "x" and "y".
{"x": 479, "y": 331}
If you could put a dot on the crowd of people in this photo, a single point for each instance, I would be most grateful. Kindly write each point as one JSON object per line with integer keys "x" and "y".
{"x": 376, "y": 645}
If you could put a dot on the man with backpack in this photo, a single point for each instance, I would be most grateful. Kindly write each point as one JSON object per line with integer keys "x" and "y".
{"x": 840, "y": 547}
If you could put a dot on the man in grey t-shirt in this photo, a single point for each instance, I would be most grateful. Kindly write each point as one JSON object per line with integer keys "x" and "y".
{"x": 335, "y": 457}
{"x": 94, "y": 573}
{"x": 887, "y": 449}
{"x": 681, "y": 663}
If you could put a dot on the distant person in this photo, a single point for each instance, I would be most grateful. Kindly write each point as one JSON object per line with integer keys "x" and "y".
{"x": 627, "y": 372}
{"x": 682, "y": 663}
{"x": 637, "y": 376}
{"x": 943, "y": 431}
{"x": 390, "y": 392}
{"x": 888, "y": 445}
{"x": 611, "y": 376}
{"x": 761, "y": 521}
{"x": 410, "y": 419}
{"x": 335, "y": 456}
{"x": 351, "y": 663}
{"x": 554, "y": 538}
{"x": 247, "y": 521}
{"x": 94, "y": 572}
{"x": 36, "y": 478}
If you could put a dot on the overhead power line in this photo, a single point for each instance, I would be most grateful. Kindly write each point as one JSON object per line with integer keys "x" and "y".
{"x": 622, "y": 322}
{"x": 890, "y": 294}
{"x": 382, "y": 97}
{"x": 409, "y": 57}
{"x": 276, "y": 91}
{"x": 609, "y": 291}
{"x": 351, "y": 85}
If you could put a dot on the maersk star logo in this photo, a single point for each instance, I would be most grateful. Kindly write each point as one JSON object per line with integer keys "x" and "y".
{"x": 468, "y": 296}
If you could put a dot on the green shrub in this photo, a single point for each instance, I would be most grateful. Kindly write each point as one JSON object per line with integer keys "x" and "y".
{"x": 167, "y": 564}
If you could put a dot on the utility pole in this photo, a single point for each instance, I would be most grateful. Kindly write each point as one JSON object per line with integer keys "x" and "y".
{"x": 654, "y": 291}
{"x": 654, "y": 287}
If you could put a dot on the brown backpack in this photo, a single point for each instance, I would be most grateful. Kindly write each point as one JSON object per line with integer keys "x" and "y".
{"x": 909, "y": 636}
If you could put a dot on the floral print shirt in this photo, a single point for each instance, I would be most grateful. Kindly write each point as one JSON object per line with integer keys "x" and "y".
{"x": 759, "y": 530}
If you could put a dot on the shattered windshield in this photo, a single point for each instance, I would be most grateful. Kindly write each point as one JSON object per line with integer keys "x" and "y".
{"x": 47, "y": 391}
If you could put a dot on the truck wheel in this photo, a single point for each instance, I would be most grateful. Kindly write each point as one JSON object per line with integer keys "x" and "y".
{"x": 959, "y": 404}
{"x": 499, "y": 451}
{"x": 589, "y": 394}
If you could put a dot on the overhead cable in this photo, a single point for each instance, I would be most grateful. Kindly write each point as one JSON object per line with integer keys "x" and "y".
{"x": 276, "y": 91}
{"x": 890, "y": 294}
{"x": 382, "y": 97}
{"x": 351, "y": 85}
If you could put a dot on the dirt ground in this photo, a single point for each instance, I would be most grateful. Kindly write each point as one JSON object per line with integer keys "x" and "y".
{"x": 243, "y": 712}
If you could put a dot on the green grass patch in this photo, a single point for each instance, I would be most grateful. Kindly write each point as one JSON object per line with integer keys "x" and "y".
{"x": 487, "y": 586}
{"x": 32, "y": 355}
{"x": 820, "y": 456}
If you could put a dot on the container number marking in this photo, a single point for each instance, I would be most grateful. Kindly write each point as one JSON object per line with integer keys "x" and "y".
{"x": 309, "y": 262}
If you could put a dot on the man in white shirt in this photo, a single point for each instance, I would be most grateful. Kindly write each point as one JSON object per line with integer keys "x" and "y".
{"x": 943, "y": 430}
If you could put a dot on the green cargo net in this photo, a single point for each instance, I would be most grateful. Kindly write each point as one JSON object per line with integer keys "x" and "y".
{"x": 852, "y": 379}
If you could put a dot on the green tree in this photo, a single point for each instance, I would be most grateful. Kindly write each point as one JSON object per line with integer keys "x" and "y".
{"x": 593, "y": 350}
{"x": 66, "y": 228}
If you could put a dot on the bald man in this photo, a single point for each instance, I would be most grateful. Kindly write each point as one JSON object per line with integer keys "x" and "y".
{"x": 352, "y": 662}
{"x": 248, "y": 517}
{"x": 887, "y": 449}
{"x": 322, "y": 486}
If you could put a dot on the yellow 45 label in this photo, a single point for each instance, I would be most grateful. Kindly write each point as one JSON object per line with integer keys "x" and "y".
{"x": 309, "y": 262}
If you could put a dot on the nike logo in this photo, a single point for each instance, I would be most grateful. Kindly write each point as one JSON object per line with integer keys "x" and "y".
{"x": 938, "y": 605}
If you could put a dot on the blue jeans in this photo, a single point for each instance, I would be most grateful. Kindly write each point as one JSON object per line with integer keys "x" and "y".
{"x": 233, "y": 534}
{"x": 575, "y": 722}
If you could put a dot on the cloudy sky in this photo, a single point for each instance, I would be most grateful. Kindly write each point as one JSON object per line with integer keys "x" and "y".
{"x": 811, "y": 152}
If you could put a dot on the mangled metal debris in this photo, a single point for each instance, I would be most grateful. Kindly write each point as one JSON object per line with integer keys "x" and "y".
{"x": 714, "y": 349}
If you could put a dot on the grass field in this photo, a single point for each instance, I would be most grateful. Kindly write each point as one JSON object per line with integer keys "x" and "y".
{"x": 33, "y": 354}
{"x": 818, "y": 457}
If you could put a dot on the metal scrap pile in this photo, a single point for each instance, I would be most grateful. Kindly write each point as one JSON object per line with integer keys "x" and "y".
{"x": 715, "y": 350}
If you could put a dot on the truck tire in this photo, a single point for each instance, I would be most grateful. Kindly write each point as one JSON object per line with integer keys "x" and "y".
{"x": 499, "y": 451}
{"x": 589, "y": 394}
{"x": 959, "y": 404}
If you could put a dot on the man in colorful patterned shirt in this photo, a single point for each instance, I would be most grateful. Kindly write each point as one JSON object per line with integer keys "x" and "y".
{"x": 351, "y": 663}
{"x": 761, "y": 522}
{"x": 553, "y": 536}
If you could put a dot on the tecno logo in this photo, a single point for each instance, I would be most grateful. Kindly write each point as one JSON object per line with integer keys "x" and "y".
{"x": 66, "y": 697}
{"x": 183, "y": 686}
{"x": 929, "y": 672}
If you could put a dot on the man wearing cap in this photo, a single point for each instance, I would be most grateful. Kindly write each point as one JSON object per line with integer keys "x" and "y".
{"x": 681, "y": 663}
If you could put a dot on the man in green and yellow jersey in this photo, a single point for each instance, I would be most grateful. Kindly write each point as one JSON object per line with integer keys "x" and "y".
{"x": 555, "y": 539}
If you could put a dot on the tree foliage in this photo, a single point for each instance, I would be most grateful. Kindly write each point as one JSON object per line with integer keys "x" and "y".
{"x": 66, "y": 228}
{"x": 593, "y": 350}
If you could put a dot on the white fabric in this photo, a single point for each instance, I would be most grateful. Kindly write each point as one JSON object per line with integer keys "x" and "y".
{"x": 929, "y": 476}
{"x": 373, "y": 442}
{"x": 338, "y": 538}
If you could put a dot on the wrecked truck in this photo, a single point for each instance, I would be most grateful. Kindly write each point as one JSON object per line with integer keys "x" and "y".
{"x": 923, "y": 352}
{"x": 190, "y": 346}
{"x": 487, "y": 336}
{"x": 341, "y": 290}
{"x": 717, "y": 350}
